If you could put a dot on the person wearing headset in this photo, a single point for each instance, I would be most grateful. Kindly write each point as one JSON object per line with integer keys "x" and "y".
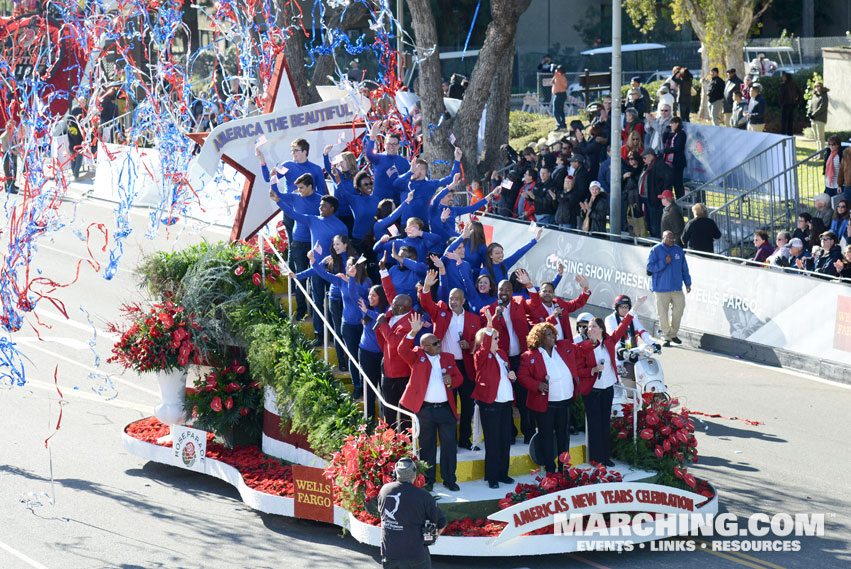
{"x": 622, "y": 306}
{"x": 407, "y": 512}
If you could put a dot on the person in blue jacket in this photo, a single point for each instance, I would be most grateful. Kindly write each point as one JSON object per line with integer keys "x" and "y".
{"x": 346, "y": 167}
{"x": 415, "y": 236}
{"x": 423, "y": 188}
{"x": 442, "y": 214}
{"x": 668, "y": 268}
{"x": 386, "y": 166}
{"x": 369, "y": 352}
{"x": 499, "y": 267}
{"x": 362, "y": 202}
{"x": 407, "y": 271}
{"x": 756, "y": 109}
{"x": 475, "y": 244}
{"x": 323, "y": 228}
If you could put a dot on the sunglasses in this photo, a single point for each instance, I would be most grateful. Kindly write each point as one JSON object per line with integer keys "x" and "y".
{"x": 826, "y": 239}
{"x": 429, "y": 345}
{"x": 366, "y": 184}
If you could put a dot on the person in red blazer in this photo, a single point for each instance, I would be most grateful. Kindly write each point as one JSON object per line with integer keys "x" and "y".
{"x": 597, "y": 383}
{"x": 514, "y": 310}
{"x": 434, "y": 374}
{"x": 456, "y": 329}
{"x": 390, "y": 328}
{"x": 493, "y": 394}
{"x": 556, "y": 310}
{"x": 552, "y": 384}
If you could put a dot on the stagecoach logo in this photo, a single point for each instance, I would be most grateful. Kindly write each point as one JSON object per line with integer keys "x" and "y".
{"x": 190, "y": 447}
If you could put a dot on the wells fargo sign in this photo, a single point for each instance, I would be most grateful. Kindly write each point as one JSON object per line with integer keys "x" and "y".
{"x": 602, "y": 498}
{"x": 314, "y": 494}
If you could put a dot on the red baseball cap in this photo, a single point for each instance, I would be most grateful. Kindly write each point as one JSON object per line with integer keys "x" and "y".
{"x": 667, "y": 194}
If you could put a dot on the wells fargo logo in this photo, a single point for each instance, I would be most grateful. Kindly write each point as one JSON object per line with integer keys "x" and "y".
{"x": 314, "y": 494}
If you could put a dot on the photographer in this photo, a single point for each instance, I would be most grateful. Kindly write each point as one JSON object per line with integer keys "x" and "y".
{"x": 406, "y": 511}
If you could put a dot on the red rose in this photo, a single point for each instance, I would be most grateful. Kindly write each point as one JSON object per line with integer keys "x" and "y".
{"x": 216, "y": 404}
{"x": 257, "y": 279}
{"x": 166, "y": 319}
{"x": 239, "y": 270}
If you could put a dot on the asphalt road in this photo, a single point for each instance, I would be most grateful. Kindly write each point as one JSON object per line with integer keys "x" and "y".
{"x": 106, "y": 508}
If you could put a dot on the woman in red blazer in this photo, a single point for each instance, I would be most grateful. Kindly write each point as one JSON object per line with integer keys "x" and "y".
{"x": 494, "y": 395}
{"x": 550, "y": 371}
{"x": 597, "y": 385}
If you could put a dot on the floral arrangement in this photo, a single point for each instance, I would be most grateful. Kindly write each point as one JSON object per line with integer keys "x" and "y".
{"x": 224, "y": 398}
{"x": 666, "y": 441}
{"x": 158, "y": 339}
{"x": 365, "y": 464}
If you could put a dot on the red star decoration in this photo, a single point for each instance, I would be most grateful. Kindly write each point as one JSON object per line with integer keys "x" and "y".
{"x": 257, "y": 205}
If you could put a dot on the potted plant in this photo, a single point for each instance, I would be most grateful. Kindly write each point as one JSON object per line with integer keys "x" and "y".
{"x": 159, "y": 340}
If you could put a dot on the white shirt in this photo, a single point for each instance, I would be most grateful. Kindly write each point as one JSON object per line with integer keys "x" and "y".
{"x": 504, "y": 392}
{"x": 559, "y": 376}
{"x": 450, "y": 341}
{"x": 436, "y": 391}
{"x": 550, "y": 311}
{"x": 513, "y": 341}
{"x": 607, "y": 377}
{"x": 612, "y": 324}
{"x": 395, "y": 319}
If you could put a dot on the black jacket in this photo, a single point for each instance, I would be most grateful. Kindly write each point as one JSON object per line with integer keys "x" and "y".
{"x": 824, "y": 263}
{"x": 716, "y": 89}
{"x": 568, "y": 207}
{"x": 657, "y": 180}
{"x": 699, "y": 234}
{"x": 732, "y": 85}
{"x": 545, "y": 204}
{"x": 675, "y": 148}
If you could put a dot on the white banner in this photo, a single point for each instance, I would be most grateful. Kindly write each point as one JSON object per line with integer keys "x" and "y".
{"x": 797, "y": 313}
{"x": 189, "y": 448}
{"x": 713, "y": 150}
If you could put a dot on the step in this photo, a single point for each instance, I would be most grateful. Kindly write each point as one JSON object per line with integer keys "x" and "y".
{"x": 471, "y": 463}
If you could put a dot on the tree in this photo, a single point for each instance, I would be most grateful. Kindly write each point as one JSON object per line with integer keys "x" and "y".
{"x": 490, "y": 82}
{"x": 722, "y": 26}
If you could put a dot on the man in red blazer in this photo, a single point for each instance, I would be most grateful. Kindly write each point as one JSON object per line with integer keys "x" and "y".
{"x": 434, "y": 374}
{"x": 390, "y": 328}
{"x": 512, "y": 322}
{"x": 556, "y": 310}
{"x": 456, "y": 329}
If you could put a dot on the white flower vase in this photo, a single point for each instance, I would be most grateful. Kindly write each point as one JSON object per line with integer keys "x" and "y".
{"x": 173, "y": 394}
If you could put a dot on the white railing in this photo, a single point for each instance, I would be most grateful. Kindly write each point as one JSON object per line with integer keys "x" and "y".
{"x": 415, "y": 423}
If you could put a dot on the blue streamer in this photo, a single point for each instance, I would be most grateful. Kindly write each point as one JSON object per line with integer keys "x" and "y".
{"x": 470, "y": 33}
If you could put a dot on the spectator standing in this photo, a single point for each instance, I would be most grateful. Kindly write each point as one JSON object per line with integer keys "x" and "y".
{"x": 633, "y": 143}
{"x": 404, "y": 511}
{"x": 684, "y": 80}
{"x": 635, "y": 82}
{"x": 740, "y": 107}
{"x": 635, "y": 101}
{"x": 789, "y": 98}
{"x": 672, "y": 216}
{"x": 669, "y": 273}
{"x": 664, "y": 97}
{"x": 604, "y": 174}
{"x": 355, "y": 73}
{"x": 674, "y": 155}
{"x": 632, "y": 124}
{"x": 832, "y": 167}
{"x": 524, "y": 207}
{"x": 817, "y": 112}
{"x": 568, "y": 209}
{"x": 545, "y": 198}
{"x": 756, "y": 109}
{"x": 746, "y": 89}
{"x": 456, "y": 89}
{"x": 716, "y": 96}
{"x": 701, "y": 231}
{"x": 653, "y": 181}
{"x": 844, "y": 179}
{"x": 559, "y": 97}
{"x": 732, "y": 85}
{"x": 596, "y": 210}
{"x": 657, "y": 127}
{"x": 763, "y": 247}
{"x": 75, "y": 141}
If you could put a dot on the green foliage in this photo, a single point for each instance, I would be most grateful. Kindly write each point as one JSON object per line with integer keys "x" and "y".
{"x": 521, "y": 123}
{"x": 816, "y": 77}
{"x": 162, "y": 272}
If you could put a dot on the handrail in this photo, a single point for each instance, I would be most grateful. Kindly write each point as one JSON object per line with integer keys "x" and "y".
{"x": 637, "y": 399}
{"x": 738, "y": 166}
{"x": 415, "y": 423}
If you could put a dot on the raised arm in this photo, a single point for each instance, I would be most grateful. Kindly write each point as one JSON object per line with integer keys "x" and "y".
{"x": 509, "y": 261}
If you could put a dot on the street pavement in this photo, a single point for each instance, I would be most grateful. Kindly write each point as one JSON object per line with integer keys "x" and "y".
{"x": 83, "y": 502}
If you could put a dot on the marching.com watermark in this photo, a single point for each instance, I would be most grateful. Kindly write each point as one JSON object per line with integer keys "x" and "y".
{"x": 612, "y": 532}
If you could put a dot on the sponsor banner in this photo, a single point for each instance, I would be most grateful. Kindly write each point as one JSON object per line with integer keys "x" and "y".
{"x": 314, "y": 494}
{"x": 797, "y": 313}
{"x": 713, "y": 150}
{"x": 596, "y": 499}
{"x": 189, "y": 448}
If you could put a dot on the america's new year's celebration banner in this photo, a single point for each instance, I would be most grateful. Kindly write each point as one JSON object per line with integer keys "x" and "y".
{"x": 760, "y": 305}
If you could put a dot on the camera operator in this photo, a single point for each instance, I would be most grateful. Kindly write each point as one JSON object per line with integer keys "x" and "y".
{"x": 410, "y": 520}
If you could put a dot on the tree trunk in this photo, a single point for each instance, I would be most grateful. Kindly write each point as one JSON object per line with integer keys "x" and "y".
{"x": 498, "y": 109}
{"x": 325, "y": 64}
{"x": 499, "y": 39}
{"x": 294, "y": 53}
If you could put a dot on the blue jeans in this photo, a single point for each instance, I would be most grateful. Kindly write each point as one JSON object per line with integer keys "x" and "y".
{"x": 298, "y": 262}
{"x": 558, "y": 109}
{"x": 544, "y": 218}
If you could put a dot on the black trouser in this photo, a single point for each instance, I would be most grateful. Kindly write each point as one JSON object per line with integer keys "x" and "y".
{"x": 598, "y": 414}
{"x": 392, "y": 389}
{"x": 787, "y": 115}
{"x": 348, "y": 221}
{"x": 298, "y": 262}
{"x": 335, "y": 312}
{"x": 527, "y": 424}
{"x": 351, "y": 336}
{"x": 437, "y": 420}
{"x": 554, "y": 421}
{"x": 677, "y": 181}
{"x": 465, "y": 430}
{"x": 496, "y": 426}
{"x": 371, "y": 364}
{"x": 421, "y": 563}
